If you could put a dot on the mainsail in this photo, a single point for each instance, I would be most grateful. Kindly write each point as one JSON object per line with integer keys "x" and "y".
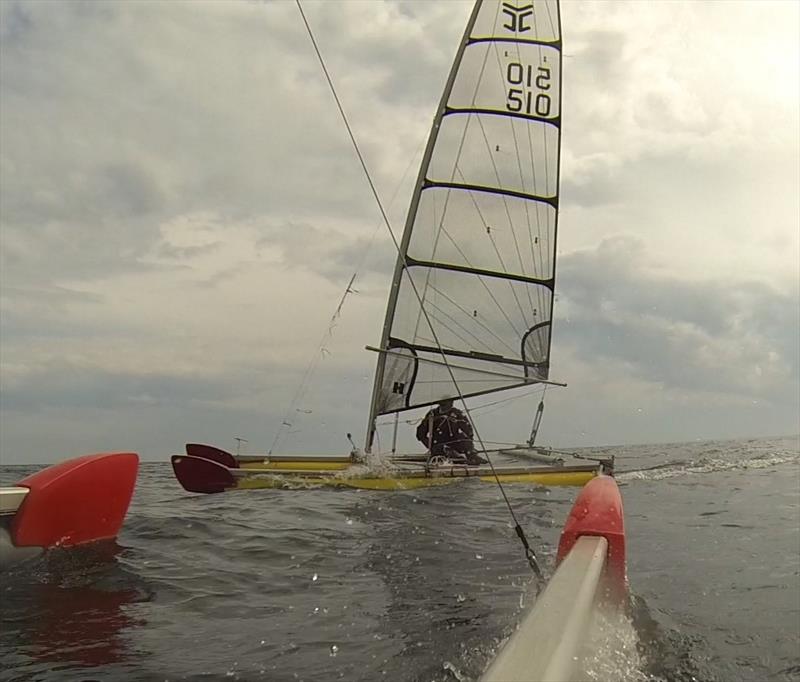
{"x": 479, "y": 242}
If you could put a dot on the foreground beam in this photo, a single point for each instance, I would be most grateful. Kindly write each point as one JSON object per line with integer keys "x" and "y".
{"x": 548, "y": 645}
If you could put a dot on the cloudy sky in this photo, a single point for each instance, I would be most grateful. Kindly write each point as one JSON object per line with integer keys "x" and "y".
{"x": 180, "y": 213}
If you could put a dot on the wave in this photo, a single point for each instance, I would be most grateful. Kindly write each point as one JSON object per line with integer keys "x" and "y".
{"x": 705, "y": 466}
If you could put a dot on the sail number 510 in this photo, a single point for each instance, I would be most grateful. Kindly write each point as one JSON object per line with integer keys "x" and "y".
{"x": 521, "y": 99}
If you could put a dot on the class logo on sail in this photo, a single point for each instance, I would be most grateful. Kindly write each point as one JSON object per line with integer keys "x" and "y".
{"x": 518, "y": 17}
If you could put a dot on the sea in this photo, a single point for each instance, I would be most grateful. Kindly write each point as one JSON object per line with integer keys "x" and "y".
{"x": 424, "y": 585}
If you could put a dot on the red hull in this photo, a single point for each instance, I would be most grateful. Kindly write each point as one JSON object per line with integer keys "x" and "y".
{"x": 200, "y": 475}
{"x": 598, "y": 511}
{"x": 215, "y": 454}
{"x": 74, "y": 502}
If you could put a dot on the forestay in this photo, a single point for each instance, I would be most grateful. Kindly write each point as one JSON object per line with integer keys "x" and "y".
{"x": 480, "y": 238}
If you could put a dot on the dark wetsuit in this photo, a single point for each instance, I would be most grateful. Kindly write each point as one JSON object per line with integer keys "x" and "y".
{"x": 451, "y": 428}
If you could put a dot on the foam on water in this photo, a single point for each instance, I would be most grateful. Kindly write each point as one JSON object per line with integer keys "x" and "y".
{"x": 707, "y": 459}
{"x": 611, "y": 652}
{"x": 708, "y": 466}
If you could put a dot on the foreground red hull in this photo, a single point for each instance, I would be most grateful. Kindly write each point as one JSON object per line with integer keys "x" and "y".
{"x": 74, "y": 502}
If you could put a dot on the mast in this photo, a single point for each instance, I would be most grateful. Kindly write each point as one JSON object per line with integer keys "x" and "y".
{"x": 400, "y": 264}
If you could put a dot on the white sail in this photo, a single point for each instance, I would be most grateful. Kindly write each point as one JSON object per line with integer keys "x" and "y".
{"x": 479, "y": 242}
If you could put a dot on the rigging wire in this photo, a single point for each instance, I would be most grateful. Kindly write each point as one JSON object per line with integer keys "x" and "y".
{"x": 529, "y": 553}
{"x": 322, "y": 351}
{"x": 286, "y": 422}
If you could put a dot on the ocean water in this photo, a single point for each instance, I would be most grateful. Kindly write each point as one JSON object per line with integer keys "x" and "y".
{"x": 419, "y": 585}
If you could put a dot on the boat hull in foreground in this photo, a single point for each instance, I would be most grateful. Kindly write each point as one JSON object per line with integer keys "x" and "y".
{"x": 75, "y": 502}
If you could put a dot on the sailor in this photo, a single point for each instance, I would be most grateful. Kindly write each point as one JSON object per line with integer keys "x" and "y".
{"x": 445, "y": 430}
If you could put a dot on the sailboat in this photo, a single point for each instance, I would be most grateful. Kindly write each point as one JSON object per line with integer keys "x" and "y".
{"x": 470, "y": 307}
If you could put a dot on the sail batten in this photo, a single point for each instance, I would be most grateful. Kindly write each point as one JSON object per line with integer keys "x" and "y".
{"x": 525, "y": 41}
{"x": 453, "y": 111}
{"x": 412, "y": 262}
{"x": 553, "y": 201}
{"x": 475, "y": 276}
{"x": 473, "y": 354}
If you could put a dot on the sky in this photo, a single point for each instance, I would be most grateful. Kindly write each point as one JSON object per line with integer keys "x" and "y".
{"x": 181, "y": 212}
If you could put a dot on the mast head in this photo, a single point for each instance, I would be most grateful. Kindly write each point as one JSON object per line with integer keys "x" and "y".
{"x": 446, "y": 404}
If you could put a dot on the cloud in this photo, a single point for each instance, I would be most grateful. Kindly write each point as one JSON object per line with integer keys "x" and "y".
{"x": 80, "y": 389}
{"x": 181, "y": 211}
{"x": 702, "y": 335}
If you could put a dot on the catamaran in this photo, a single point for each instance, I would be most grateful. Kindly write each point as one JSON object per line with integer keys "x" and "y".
{"x": 470, "y": 306}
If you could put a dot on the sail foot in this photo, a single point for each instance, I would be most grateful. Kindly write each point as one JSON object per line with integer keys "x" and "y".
{"x": 415, "y": 377}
